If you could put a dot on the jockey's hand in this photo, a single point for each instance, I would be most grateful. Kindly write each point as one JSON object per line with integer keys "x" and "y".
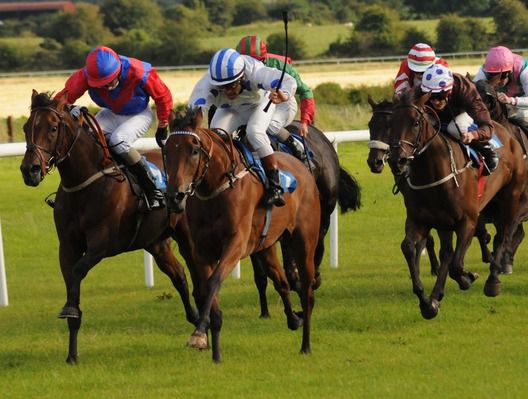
{"x": 304, "y": 129}
{"x": 503, "y": 98}
{"x": 467, "y": 137}
{"x": 278, "y": 96}
{"x": 161, "y": 135}
{"x": 75, "y": 111}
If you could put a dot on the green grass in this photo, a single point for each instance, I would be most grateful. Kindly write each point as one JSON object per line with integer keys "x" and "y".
{"x": 368, "y": 338}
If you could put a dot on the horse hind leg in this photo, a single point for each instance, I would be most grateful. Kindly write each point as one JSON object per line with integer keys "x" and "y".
{"x": 261, "y": 282}
{"x": 168, "y": 264}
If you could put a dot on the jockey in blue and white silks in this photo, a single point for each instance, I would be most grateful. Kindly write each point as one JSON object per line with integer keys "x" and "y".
{"x": 241, "y": 87}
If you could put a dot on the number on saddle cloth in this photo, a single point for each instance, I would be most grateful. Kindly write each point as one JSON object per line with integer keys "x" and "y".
{"x": 288, "y": 182}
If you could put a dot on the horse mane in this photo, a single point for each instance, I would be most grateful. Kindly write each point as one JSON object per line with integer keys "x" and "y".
{"x": 184, "y": 119}
{"x": 43, "y": 99}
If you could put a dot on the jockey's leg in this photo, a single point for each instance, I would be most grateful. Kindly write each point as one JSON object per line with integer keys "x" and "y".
{"x": 121, "y": 131}
{"x": 491, "y": 158}
{"x": 256, "y": 127}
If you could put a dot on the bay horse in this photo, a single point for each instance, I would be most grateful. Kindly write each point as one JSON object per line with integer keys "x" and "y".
{"x": 335, "y": 185}
{"x": 221, "y": 203}
{"x": 379, "y": 152}
{"x": 443, "y": 194}
{"x": 96, "y": 213}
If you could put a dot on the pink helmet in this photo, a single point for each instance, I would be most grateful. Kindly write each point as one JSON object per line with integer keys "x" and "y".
{"x": 420, "y": 57}
{"x": 499, "y": 59}
{"x": 102, "y": 66}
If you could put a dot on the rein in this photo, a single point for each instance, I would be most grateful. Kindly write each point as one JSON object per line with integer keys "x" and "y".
{"x": 417, "y": 152}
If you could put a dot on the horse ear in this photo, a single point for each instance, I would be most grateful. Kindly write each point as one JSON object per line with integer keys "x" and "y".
{"x": 371, "y": 101}
{"x": 469, "y": 76}
{"x": 421, "y": 100}
{"x": 34, "y": 93}
{"x": 63, "y": 100}
{"x": 198, "y": 117}
{"x": 172, "y": 117}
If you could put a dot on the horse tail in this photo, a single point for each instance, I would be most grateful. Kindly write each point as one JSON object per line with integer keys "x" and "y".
{"x": 349, "y": 195}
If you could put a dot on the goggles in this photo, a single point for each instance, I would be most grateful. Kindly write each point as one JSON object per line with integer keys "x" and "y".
{"x": 503, "y": 75}
{"x": 230, "y": 86}
{"x": 443, "y": 95}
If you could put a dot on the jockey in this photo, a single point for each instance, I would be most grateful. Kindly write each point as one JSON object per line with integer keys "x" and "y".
{"x": 256, "y": 48}
{"x": 453, "y": 94}
{"x": 122, "y": 87}
{"x": 241, "y": 87}
{"x": 508, "y": 73}
{"x": 421, "y": 56}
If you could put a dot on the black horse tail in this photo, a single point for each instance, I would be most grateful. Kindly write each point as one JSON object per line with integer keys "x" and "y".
{"x": 349, "y": 195}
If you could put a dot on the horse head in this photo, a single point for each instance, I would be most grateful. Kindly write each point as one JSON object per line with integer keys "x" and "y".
{"x": 186, "y": 157}
{"x": 488, "y": 93}
{"x": 379, "y": 128}
{"x": 411, "y": 131}
{"x": 48, "y": 136}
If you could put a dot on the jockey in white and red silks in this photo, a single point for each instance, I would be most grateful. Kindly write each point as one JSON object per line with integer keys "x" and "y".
{"x": 421, "y": 56}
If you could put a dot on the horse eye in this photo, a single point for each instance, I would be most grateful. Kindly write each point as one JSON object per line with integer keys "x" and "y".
{"x": 54, "y": 128}
{"x": 195, "y": 151}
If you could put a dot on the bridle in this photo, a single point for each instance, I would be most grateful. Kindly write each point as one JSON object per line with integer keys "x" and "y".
{"x": 54, "y": 154}
{"x": 416, "y": 146}
{"x": 380, "y": 144}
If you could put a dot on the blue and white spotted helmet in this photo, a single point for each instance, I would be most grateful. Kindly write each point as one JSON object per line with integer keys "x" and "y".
{"x": 226, "y": 66}
{"x": 437, "y": 78}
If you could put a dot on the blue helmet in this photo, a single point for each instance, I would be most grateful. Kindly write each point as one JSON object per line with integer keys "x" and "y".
{"x": 226, "y": 66}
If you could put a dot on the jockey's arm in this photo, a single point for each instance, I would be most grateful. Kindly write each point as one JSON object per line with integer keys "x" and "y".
{"x": 161, "y": 95}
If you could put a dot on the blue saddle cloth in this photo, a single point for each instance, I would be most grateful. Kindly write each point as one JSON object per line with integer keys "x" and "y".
{"x": 160, "y": 176}
{"x": 474, "y": 156}
{"x": 288, "y": 181}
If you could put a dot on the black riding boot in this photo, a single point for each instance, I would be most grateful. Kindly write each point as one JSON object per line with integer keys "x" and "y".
{"x": 146, "y": 180}
{"x": 491, "y": 158}
{"x": 273, "y": 194}
{"x": 296, "y": 148}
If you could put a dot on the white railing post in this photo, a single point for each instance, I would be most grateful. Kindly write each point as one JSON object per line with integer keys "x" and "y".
{"x": 3, "y": 281}
{"x": 149, "y": 270}
{"x": 334, "y": 242}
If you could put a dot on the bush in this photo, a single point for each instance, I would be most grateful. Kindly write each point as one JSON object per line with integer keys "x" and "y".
{"x": 330, "y": 93}
{"x": 296, "y": 46}
{"x": 359, "y": 95}
{"x": 453, "y": 35}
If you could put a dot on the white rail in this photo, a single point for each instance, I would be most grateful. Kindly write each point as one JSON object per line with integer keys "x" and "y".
{"x": 17, "y": 149}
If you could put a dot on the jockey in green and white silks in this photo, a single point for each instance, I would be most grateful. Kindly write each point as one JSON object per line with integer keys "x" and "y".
{"x": 241, "y": 87}
{"x": 508, "y": 73}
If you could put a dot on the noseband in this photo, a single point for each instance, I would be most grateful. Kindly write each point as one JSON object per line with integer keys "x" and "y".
{"x": 55, "y": 157}
{"x": 379, "y": 144}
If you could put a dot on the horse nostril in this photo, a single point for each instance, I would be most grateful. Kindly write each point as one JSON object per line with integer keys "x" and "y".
{"x": 179, "y": 196}
{"x": 34, "y": 169}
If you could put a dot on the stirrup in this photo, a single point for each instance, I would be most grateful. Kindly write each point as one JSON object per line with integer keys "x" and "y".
{"x": 155, "y": 200}
{"x": 274, "y": 197}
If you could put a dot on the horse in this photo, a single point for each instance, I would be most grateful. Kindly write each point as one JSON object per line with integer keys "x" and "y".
{"x": 96, "y": 213}
{"x": 499, "y": 113}
{"x": 221, "y": 203}
{"x": 379, "y": 151}
{"x": 443, "y": 194}
{"x": 336, "y": 186}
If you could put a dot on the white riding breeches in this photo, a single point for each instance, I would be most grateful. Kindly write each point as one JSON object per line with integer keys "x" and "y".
{"x": 256, "y": 120}
{"x": 284, "y": 114}
{"x": 122, "y": 130}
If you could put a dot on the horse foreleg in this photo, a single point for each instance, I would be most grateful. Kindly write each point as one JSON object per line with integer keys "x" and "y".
{"x": 408, "y": 247}
{"x": 261, "y": 281}
{"x": 168, "y": 264}
{"x": 456, "y": 268}
{"x": 433, "y": 260}
{"x": 483, "y": 238}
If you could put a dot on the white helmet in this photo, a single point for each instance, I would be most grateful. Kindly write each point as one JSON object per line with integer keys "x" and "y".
{"x": 437, "y": 78}
{"x": 226, "y": 66}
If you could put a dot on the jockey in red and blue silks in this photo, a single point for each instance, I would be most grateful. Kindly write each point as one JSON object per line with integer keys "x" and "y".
{"x": 122, "y": 87}
{"x": 508, "y": 73}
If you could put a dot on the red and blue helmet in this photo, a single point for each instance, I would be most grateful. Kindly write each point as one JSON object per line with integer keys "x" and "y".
{"x": 102, "y": 66}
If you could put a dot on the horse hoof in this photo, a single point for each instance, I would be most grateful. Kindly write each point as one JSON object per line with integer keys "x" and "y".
{"x": 317, "y": 282}
{"x": 69, "y": 312}
{"x": 198, "y": 340}
{"x": 507, "y": 268}
{"x": 71, "y": 360}
{"x": 295, "y": 321}
{"x": 492, "y": 289}
{"x": 429, "y": 309}
{"x": 265, "y": 315}
{"x": 466, "y": 279}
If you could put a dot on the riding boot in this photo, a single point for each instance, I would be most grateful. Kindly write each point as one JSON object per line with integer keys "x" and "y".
{"x": 491, "y": 158}
{"x": 274, "y": 191}
{"x": 297, "y": 149}
{"x": 147, "y": 180}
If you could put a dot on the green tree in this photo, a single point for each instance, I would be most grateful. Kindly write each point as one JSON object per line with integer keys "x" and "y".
{"x": 413, "y": 36}
{"x": 248, "y": 11}
{"x": 221, "y": 12}
{"x": 275, "y": 43}
{"x": 9, "y": 60}
{"x": 510, "y": 18}
{"x": 196, "y": 18}
{"x": 179, "y": 45}
{"x": 123, "y": 15}
{"x": 453, "y": 35}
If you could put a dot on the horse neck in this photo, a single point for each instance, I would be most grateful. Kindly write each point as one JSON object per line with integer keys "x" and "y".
{"x": 222, "y": 158}
{"x": 84, "y": 159}
{"x": 436, "y": 161}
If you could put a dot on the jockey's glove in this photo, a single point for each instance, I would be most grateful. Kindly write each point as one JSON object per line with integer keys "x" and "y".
{"x": 161, "y": 136}
{"x": 75, "y": 111}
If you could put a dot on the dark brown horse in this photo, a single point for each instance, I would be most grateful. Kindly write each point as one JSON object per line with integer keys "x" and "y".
{"x": 499, "y": 113}
{"x": 379, "y": 152}
{"x": 96, "y": 214}
{"x": 222, "y": 202}
{"x": 443, "y": 194}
